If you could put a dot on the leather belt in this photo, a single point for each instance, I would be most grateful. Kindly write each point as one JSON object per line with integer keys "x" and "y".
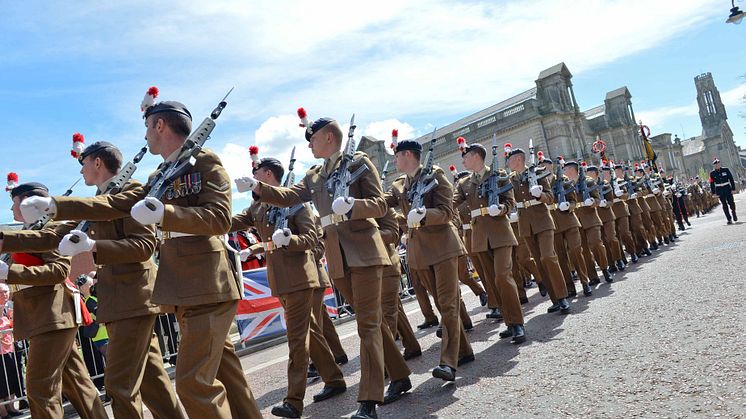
{"x": 168, "y": 235}
{"x": 479, "y": 212}
{"x": 526, "y": 204}
{"x": 466, "y": 226}
{"x": 722, "y": 184}
{"x": 650, "y": 195}
{"x": 330, "y": 219}
{"x": 18, "y": 287}
{"x": 617, "y": 200}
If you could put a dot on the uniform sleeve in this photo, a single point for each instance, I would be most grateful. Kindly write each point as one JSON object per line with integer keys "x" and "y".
{"x": 35, "y": 241}
{"x": 283, "y": 196}
{"x": 137, "y": 245}
{"x": 731, "y": 180}
{"x": 546, "y": 195}
{"x": 594, "y": 193}
{"x": 306, "y": 235}
{"x": 242, "y": 221}
{"x": 98, "y": 208}
{"x": 54, "y": 270}
{"x": 507, "y": 198}
{"x": 712, "y": 183}
{"x": 212, "y": 214}
{"x": 389, "y": 227}
{"x": 458, "y": 195}
{"x": 442, "y": 210}
{"x": 371, "y": 203}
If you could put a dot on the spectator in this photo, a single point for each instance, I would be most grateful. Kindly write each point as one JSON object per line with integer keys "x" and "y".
{"x": 93, "y": 338}
{"x": 10, "y": 379}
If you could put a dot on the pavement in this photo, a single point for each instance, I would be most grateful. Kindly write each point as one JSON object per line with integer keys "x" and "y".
{"x": 665, "y": 339}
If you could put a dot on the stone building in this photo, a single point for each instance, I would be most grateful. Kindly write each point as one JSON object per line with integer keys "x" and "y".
{"x": 549, "y": 114}
{"x": 717, "y": 137}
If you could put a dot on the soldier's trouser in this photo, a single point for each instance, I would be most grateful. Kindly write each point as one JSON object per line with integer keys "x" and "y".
{"x": 465, "y": 276}
{"x": 55, "y": 366}
{"x": 135, "y": 372}
{"x": 493, "y": 300}
{"x": 524, "y": 259}
{"x": 361, "y": 287}
{"x": 441, "y": 280}
{"x": 639, "y": 232}
{"x": 727, "y": 200}
{"x": 422, "y": 298}
{"x": 624, "y": 233}
{"x": 330, "y": 333}
{"x": 322, "y": 356}
{"x": 299, "y": 307}
{"x": 210, "y": 381}
{"x": 541, "y": 246}
{"x": 408, "y": 338}
{"x": 658, "y": 221}
{"x": 391, "y": 310}
{"x": 570, "y": 239}
{"x": 647, "y": 222}
{"x": 611, "y": 242}
{"x": 592, "y": 243}
{"x": 498, "y": 265}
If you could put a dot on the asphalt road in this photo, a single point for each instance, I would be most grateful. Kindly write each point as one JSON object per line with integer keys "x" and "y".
{"x": 666, "y": 339}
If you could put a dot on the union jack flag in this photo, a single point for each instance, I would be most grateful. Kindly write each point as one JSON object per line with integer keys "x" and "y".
{"x": 259, "y": 314}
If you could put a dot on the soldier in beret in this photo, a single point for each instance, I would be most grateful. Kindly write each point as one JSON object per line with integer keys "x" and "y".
{"x": 196, "y": 272}
{"x": 355, "y": 253}
{"x": 433, "y": 248}
{"x": 294, "y": 280}
{"x": 46, "y": 314}
{"x": 122, "y": 249}
{"x": 492, "y": 239}
{"x": 536, "y": 226}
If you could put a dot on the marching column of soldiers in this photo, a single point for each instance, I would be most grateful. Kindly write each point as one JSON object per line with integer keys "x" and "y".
{"x": 536, "y": 220}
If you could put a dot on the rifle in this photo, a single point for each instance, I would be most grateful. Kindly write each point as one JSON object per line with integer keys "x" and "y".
{"x": 170, "y": 171}
{"x": 114, "y": 186}
{"x": 531, "y": 177}
{"x": 339, "y": 182}
{"x": 40, "y": 223}
{"x": 582, "y": 186}
{"x": 559, "y": 191}
{"x": 384, "y": 172}
{"x": 615, "y": 182}
{"x": 491, "y": 188}
{"x": 426, "y": 182}
{"x": 279, "y": 216}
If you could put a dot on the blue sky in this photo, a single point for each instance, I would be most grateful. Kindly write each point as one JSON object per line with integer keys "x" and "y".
{"x": 83, "y": 67}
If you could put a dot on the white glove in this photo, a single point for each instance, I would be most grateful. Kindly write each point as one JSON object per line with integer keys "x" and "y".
{"x": 603, "y": 203}
{"x": 3, "y": 271}
{"x": 536, "y": 190}
{"x": 618, "y": 193}
{"x": 404, "y": 239}
{"x": 496, "y": 210}
{"x": 84, "y": 244}
{"x": 678, "y": 195}
{"x": 246, "y": 184}
{"x": 513, "y": 217}
{"x": 415, "y": 216}
{"x": 588, "y": 202}
{"x": 144, "y": 215}
{"x": 343, "y": 205}
{"x": 634, "y": 195}
{"x": 244, "y": 254}
{"x": 564, "y": 206}
{"x": 281, "y": 237}
{"x": 656, "y": 190}
{"x": 259, "y": 256}
{"x": 35, "y": 207}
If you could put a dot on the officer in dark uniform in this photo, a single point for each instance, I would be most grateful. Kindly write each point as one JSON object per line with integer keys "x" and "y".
{"x": 723, "y": 185}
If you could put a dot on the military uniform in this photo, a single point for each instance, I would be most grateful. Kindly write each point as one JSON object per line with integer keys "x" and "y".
{"x": 44, "y": 311}
{"x": 536, "y": 227}
{"x": 356, "y": 256}
{"x": 195, "y": 274}
{"x": 622, "y": 220}
{"x": 608, "y": 219}
{"x": 293, "y": 278}
{"x": 567, "y": 235}
{"x": 126, "y": 276}
{"x": 593, "y": 245}
{"x": 433, "y": 249}
{"x": 464, "y": 217}
{"x": 723, "y": 185}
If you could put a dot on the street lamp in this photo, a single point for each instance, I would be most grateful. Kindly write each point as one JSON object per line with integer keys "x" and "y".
{"x": 736, "y": 15}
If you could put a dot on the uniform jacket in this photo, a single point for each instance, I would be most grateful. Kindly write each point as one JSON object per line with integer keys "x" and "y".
{"x": 124, "y": 249}
{"x": 534, "y": 219}
{"x": 389, "y": 226}
{"x": 359, "y": 235}
{"x": 721, "y": 181}
{"x": 587, "y": 215}
{"x": 192, "y": 270}
{"x": 436, "y": 240}
{"x": 565, "y": 220}
{"x": 293, "y": 267}
{"x": 606, "y": 213}
{"x": 46, "y": 306}
{"x": 487, "y": 232}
